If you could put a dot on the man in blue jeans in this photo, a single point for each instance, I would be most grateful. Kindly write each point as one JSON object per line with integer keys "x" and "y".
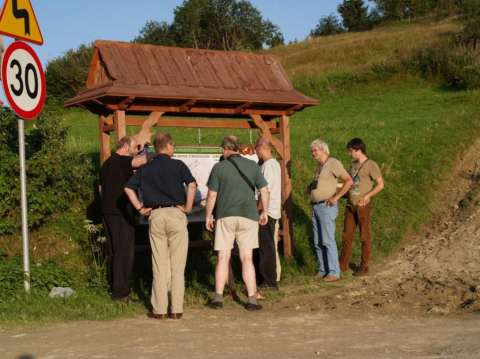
{"x": 324, "y": 195}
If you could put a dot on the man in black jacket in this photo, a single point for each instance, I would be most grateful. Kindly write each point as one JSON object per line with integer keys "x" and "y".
{"x": 117, "y": 215}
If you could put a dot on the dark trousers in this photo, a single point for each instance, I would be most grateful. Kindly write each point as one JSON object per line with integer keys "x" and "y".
{"x": 120, "y": 254}
{"x": 267, "y": 260}
{"x": 357, "y": 216}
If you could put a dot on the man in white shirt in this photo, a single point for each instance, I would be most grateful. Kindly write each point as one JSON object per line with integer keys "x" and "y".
{"x": 267, "y": 262}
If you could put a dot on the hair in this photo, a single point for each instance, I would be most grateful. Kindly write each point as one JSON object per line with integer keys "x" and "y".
{"x": 231, "y": 143}
{"x": 125, "y": 140}
{"x": 263, "y": 142}
{"x": 161, "y": 141}
{"x": 321, "y": 145}
{"x": 357, "y": 144}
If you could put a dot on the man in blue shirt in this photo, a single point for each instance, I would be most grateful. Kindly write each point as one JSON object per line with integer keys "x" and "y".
{"x": 168, "y": 191}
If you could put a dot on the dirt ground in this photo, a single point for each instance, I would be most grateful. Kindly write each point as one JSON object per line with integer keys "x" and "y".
{"x": 423, "y": 302}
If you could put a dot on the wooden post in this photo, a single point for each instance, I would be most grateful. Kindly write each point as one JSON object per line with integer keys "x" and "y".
{"x": 287, "y": 201}
{"x": 104, "y": 138}
{"x": 119, "y": 124}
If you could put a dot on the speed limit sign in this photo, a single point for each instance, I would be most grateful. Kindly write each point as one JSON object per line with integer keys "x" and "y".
{"x": 23, "y": 80}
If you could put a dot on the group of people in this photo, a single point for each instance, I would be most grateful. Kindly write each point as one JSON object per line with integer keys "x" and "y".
{"x": 332, "y": 182}
{"x": 243, "y": 207}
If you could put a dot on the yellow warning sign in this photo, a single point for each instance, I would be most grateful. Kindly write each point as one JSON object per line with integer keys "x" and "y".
{"x": 18, "y": 20}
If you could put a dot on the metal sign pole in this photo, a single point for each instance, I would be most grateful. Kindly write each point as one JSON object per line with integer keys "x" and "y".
{"x": 23, "y": 191}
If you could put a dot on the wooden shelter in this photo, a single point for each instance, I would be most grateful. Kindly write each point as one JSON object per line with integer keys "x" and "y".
{"x": 138, "y": 85}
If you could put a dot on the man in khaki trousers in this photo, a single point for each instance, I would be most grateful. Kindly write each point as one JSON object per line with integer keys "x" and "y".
{"x": 163, "y": 182}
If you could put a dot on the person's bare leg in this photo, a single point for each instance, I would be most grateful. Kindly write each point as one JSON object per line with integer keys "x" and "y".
{"x": 222, "y": 270}
{"x": 248, "y": 271}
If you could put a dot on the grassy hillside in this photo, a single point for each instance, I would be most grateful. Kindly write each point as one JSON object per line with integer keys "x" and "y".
{"x": 355, "y": 52}
{"x": 413, "y": 128}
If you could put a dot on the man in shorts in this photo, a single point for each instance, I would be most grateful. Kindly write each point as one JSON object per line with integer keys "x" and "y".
{"x": 231, "y": 191}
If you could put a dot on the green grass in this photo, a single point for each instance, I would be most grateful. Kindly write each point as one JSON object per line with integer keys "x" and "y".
{"x": 413, "y": 129}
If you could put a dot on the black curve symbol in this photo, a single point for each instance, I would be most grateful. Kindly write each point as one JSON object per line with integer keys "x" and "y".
{"x": 21, "y": 14}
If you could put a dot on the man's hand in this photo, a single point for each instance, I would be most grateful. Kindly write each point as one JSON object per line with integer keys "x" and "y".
{"x": 184, "y": 209}
{"x": 145, "y": 211}
{"x": 362, "y": 202}
{"x": 210, "y": 223}
{"x": 263, "y": 218}
{"x": 332, "y": 201}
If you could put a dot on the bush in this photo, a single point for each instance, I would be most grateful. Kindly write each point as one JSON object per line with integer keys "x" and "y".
{"x": 456, "y": 65}
{"x": 56, "y": 179}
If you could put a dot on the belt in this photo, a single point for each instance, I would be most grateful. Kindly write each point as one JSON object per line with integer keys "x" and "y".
{"x": 163, "y": 206}
{"x": 315, "y": 203}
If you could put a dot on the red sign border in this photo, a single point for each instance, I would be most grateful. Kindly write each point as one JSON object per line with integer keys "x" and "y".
{"x": 23, "y": 37}
{"x": 26, "y": 115}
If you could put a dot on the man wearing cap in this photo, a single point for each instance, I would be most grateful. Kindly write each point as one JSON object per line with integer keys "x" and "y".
{"x": 231, "y": 191}
{"x": 118, "y": 216}
{"x": 163, "y": 182}
{"x": 270, "y": 168}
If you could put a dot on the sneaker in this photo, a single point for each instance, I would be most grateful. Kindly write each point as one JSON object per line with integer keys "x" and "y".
{"x": 252, "y": 307}
{"x": 331, "y": 278}
{"x": 215, "y": 304}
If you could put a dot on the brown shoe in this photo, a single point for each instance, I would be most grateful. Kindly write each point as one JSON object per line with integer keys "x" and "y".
{"x": 361, "y": 273}
{"x": 157, "y": 316}
{"x": 175, "y": 315}
{"x": 331, "y": 278}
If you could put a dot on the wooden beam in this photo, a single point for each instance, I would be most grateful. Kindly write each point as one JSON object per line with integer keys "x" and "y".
{"x": 267, "y": 134}
{"x": 200, "y": 123}
{"x": 126, "y": 102}
{"x": 119, "y": 123}
{"x": 287, "y": 200}
{"x": 187, "y": 106}
{"x": 196, "y": 110}
{"x": 145, "y": 134}
{"x": 243, "y": 107}
{"x": 104, "y": 139}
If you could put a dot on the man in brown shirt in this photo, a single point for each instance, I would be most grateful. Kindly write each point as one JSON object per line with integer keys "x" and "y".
{"x": 367, "y": 182}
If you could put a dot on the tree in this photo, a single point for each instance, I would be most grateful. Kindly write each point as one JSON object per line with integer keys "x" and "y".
{"x": 214, "y": 24}
{"x": 158, "y": 33}
{"x": 354, "y": 15}
{"x": 67, "y": 74}
{"x": 328, "y": 25}
{"x": 410, "y": 9}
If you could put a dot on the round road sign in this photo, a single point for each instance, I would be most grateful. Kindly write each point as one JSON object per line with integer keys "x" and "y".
{"x": 23, "y": 80}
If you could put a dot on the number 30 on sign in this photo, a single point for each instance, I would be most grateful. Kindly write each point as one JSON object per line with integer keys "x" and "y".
{"x": 23, "y": 80}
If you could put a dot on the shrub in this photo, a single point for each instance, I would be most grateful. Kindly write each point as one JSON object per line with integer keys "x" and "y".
{"x": 56, "y": 179}
{"x": 456, "y": 65}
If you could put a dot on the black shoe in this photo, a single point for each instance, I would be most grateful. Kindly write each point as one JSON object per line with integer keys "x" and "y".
{"x": 127, "y": 300}
{"x": 252, "y": 307}
{"x": 269, "y": 288}
{"x": 215, "y": 304}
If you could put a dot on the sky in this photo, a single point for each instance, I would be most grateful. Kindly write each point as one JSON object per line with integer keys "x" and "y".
{"x": 66, "y": 24}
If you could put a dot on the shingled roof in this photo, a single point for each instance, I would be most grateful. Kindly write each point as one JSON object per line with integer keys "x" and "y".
{"x": 140, "y": 78}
